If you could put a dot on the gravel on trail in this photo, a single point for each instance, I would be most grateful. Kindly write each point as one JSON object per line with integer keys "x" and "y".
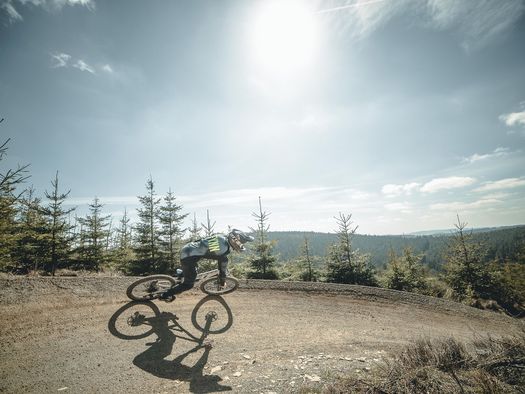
{"x": 81, "y": 335}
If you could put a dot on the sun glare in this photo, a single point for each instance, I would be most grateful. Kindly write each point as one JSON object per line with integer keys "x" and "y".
{"x": 284, "y": 36}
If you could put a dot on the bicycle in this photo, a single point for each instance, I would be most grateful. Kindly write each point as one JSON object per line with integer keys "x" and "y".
{"x": 151, "y": 287}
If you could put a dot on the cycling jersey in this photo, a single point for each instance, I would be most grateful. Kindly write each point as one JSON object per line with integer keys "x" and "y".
{"x": 213, "y": 247}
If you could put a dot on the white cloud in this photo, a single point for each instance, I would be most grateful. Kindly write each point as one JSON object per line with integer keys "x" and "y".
{"x": 452, "y": 182}
{"x": 392, "y": 190}
{"x": 107, "y": 68}
{"x": 12, "y": 13}
{"x": 248, "y": 196}
{"x": 477, "y": 22}
{"x": 363, "y": 17}
{"x": 110, "y": 200}
{"x": 10, "y": 6}
{"x": 310, "y": 208}
{"x": 498, "y": 195}
{"x": 357, "y": 4}
{"x": 60, "y": 59}
{"x": 508, "y": 183}
{"x": 498, "y": 152}
{"x": 63, "y": 60}
{"x": 464, "y": 206}
{"x": 437, "y": 184}
{"x": 403, "y": 207}
{"x": 86, "y": 3}
{"x": 357, "y": 195}
{"x": 513, "y": 119}
{"x": 83, "y": 66}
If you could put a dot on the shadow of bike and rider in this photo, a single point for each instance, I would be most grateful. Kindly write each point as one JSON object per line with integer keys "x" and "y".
{"x": 137, "y": 320}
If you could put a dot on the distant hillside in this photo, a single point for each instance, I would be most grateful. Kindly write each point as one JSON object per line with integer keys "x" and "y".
{"x": 502, "y": 244}
{"x": 451, "y": 230}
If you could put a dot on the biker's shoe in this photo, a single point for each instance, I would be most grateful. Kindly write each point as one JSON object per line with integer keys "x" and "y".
{"x": 167, "y": 297}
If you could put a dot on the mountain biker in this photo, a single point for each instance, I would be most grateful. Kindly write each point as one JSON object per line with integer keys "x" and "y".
{"x": 215, "y": 247}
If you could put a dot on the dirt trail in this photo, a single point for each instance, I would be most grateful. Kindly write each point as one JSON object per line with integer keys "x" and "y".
{"x": 56, "y": 338}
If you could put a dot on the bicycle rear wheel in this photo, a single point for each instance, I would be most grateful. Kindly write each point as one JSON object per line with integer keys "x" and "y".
{"x": 212, "y": 286}
{"x": 150, "y": 287}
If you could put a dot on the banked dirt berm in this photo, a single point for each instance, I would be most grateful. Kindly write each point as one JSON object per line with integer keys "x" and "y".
{"x": 62, "y": 335}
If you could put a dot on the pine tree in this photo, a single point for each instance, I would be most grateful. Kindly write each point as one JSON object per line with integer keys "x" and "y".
{"x": 415, "y": 270}
{"x": 109, "y": 235}
{"x": 307, "y": 260}
{"x": 32, "y": 228}
{"x": 57, "y": 248}
{"x": 209, "y": 227}
{"x": 509, "y": 286}
{"x": 465, "y": 270}
{"x": 8, "y": 227}
{"x": 123, "y": 254}
{"x": 171, "y": 232}
{"x": 93, "y": 237}
{"x": 12, "y": 178}
{"x": 124, "y": 232}
{"x": 395, "y": 277}
{"x": 264, "y": 260}
{"x": 147, "y": 232}
{"x": 209, "y": 230}
{"x": 74, "y": 232}
{"x": 346, "y": 265}
{"x": 9, "y": 235}
{"x": 308, "y": 273}
{"x": 195, "y": 230}
{"x": 405, "y": 273}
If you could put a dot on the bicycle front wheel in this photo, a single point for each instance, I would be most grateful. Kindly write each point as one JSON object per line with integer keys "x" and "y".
{"x": 212, "y": 286}
{"x": 150, "y": 287}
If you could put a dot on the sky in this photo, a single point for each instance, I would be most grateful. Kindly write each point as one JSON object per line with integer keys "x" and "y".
{"x": 403, "y": 113}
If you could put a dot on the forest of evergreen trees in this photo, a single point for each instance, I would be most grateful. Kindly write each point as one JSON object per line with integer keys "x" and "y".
{"x": 42, "y": 236}
{"x": 503, "y": 244}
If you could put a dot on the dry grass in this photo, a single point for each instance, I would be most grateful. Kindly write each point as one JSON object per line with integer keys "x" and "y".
{"x": 487, "y": 365}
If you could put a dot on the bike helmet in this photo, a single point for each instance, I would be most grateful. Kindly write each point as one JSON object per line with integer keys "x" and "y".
{"x": 237, "y": 239}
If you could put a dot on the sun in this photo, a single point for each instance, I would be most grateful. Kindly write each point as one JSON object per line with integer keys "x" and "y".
{"x": 284, "y": 36}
